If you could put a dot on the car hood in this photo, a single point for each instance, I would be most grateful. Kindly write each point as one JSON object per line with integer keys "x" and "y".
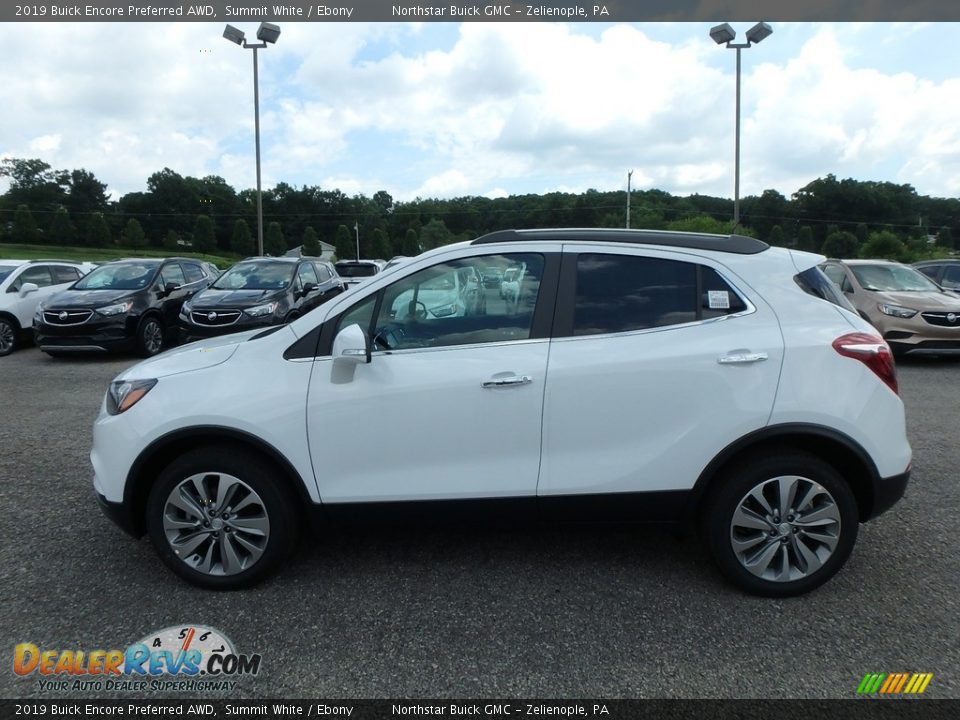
{"x": 87, "y": 298}
{"x": 186, "y": 358}
{"x": 933, "y": 301}
{"x": 215, "y": 298}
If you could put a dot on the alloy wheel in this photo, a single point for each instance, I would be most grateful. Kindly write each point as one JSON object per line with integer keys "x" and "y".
{"x": 785, "y": 528}
{"x": 216, "y": 524}
{"x": 8, "y": 337}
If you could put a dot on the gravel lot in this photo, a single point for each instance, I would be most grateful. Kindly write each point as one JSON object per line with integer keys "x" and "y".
{"x": 539, "y": 613}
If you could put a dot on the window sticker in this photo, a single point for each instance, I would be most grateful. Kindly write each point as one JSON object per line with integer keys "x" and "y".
{"x": 718, "y": 299}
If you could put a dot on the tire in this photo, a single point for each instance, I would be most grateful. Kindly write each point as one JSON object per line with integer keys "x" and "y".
{"x": 9, "y": 330}
{"x": 226, "y": 552}
{"x": 766, "y": 554}
{"x": 149, "y": 337}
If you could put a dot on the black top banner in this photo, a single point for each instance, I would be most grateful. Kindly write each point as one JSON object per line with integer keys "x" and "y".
{"x": 492, "y": 11}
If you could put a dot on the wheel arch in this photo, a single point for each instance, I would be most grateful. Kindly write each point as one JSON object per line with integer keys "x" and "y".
{"x": 838, "y": 449}
{"x": 162, "y": 451}
{"x": 10, "y": 316}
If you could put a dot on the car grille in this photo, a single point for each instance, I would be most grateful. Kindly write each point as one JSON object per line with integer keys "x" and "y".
{"x": 215, "y": 318}
{"x": 66, "y": 317}
{"x": 943, "y": 319}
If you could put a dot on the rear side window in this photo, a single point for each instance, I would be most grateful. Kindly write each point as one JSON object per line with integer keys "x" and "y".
{"x": 65, "y": 274}
{"x": 621, "y": 293}
{"x": 193, "y": 272}
{"x": 815, "y": 283}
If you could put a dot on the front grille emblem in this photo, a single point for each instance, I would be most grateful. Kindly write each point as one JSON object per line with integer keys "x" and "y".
{"x": 62, "y": 315}
{"x": 212, "y": 316}
{"x": 951, "y": 317}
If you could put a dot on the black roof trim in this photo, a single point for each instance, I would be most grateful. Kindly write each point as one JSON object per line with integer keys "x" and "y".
{"x": 739, "y": 244}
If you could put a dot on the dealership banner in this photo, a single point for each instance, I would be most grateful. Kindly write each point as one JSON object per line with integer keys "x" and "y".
{"x": 499, "y": 708}
{"x": 496, "y": 11}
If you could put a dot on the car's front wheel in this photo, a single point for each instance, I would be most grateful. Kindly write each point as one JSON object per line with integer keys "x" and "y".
{"x": 149, "y": 337}
{"x": 221, "y": 518}
{"x": 781, "y": 525}
{"x": 8, "y": 336}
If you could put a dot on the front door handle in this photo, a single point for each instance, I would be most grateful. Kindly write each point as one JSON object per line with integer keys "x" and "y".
{"x": 505, "y": 381}
{"x": 741, "y": 358}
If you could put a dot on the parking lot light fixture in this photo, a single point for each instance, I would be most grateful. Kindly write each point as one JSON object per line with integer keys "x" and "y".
{"x": 266, "y": 33}
{"x": 724, "y": 35}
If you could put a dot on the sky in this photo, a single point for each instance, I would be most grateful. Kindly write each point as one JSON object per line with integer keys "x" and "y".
{"x": 494, "y": 109}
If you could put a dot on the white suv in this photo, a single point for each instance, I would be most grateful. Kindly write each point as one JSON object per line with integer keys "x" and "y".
{"x": 24, "y": 284}
{"x": 652, "y": 376}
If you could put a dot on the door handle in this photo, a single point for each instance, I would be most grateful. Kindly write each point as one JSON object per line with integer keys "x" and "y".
{"x": 741, "y": 358}
{"x": 505, "y": 381}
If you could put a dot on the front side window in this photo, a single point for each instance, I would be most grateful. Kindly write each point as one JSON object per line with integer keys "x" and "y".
{"x": 193, "y": 272}
{"x": 447, "y": 305}
{"x": 172, "y": 274}
{"x": 307, "y": 274}
{"x": 122, "y": 276}
{"x": 951, "y": 277}
{"x": 39, "y": 275}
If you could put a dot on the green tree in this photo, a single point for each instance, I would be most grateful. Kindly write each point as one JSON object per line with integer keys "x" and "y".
{"x": 411, "y": 245}
{"x": 241, "y": 242}
{"x": 840, "y": 244}
{"x": 883, "y": 245}
{"x": 171, "y": 241}
{"x": 61, "y": 231}
{"x": 945, "y": 237}
{"x": 133, "y": 236}
{"x": 435, "y": 234}
{"x": 24, "y": 227}
{"x": 381, "y": 245}
{"x": 98, "y": 232}
{"x": 343, "y": 242}
{"x": 776, "y": 236}
{"x": 273, "y": 242}
{"x": 311, "y": 242}
{"x": 862, "y": 233}
{"x": 805, "y": 238}
{"x": 706, "y": 224}
{"x": 204, "y": 239}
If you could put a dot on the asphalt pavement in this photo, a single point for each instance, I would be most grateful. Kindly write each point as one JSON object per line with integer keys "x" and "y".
{"x": 557, "y": 612}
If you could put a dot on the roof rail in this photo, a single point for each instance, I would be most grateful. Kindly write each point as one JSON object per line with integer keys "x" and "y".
{"x": 738, "y": 244}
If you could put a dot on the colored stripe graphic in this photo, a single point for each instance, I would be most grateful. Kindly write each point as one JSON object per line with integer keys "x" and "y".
{"x": 894, "y": 683}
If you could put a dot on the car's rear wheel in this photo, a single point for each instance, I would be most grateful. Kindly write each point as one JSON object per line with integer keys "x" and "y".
{"x": 8, "y": 336}
{"x": 149, "y": 337}
{"x": 221, "y": 518}
{"x": 781, "y": 525}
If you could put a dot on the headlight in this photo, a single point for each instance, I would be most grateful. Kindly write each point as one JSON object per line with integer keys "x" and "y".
{"x": 117, "y": 309}
{"x": 444, "y": 310}
{"x": 124, "y": 394}
{"x": 185, "y": 310}
{"x": 897, "y": 311}
{"x": 38, "y": 315}
{"x": 261, "y": 310}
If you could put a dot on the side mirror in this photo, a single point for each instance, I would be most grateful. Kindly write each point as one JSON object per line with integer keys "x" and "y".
{"x": 170, "y": 288}
{"x": 351, "y": 345}
{"x": 310, "y": 287}
{"x": 28, "y": 288}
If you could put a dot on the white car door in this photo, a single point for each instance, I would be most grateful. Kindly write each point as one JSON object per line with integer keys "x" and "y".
{"x": 449, "y": 406}
{"x": 651, "y": 381}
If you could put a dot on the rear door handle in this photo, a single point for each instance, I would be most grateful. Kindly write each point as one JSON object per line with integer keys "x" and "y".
{"x": 741, "y": 358}
{"x": 505, "y": 381}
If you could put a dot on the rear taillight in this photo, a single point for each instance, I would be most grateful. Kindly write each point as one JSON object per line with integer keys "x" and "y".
{"x": 873, "y": 352}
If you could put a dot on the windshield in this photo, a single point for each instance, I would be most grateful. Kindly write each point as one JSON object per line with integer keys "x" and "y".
{"x": 6, "y": 270}
{"x": 892, "y": 278}
{"x": 256, "y": 276}
{"x": 356, "y": 270}
{"x": 122, "y": 276}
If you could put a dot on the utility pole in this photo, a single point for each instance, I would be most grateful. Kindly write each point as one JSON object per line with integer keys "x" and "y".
{"x": 629, "y": 175}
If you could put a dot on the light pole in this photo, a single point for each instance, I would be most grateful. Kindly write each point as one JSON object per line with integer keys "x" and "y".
{"x": 266, "y": 33}
{"x": 724, "y": 35}
{"x": 356, "y": 229}
{"x": 629, "y": 174}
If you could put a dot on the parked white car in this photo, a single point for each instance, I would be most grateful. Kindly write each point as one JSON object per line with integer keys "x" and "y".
{"x": 24, "y": 284}
{"x": 699, "y": 379}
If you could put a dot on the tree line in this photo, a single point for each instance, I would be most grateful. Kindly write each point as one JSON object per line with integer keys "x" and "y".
{"x": 840, "y": 218}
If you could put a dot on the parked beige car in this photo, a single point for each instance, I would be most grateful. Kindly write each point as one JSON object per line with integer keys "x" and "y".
{"x": 914, "y": 314}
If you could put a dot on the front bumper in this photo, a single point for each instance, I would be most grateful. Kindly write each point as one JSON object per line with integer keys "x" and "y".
{"x": 100, "y": 335}
{"x": 121, "y": 515}
{"x": 190, "y": 331}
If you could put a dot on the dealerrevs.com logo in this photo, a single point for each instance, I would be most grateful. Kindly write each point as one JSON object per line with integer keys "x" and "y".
{"x": 890, "y": 684}
{"x": 183, "y": 657}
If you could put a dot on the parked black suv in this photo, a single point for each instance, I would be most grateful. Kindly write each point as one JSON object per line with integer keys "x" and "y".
{"x": 128, "y": 304}
{"x": 259, "y": 291}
